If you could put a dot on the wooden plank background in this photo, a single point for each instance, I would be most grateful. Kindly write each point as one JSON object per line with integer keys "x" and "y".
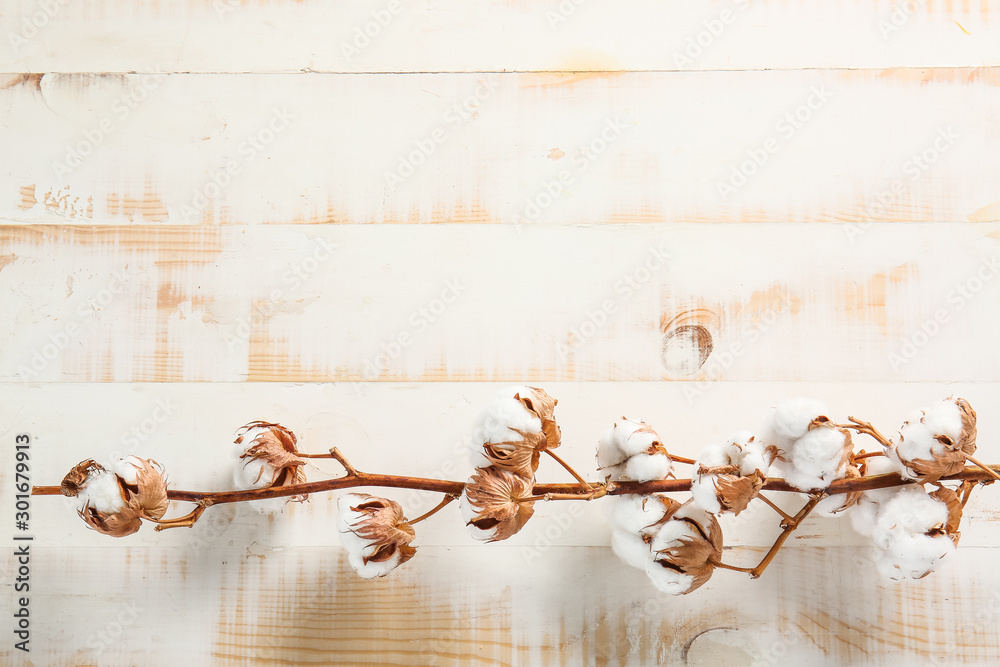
{"x": 217, "y": 212}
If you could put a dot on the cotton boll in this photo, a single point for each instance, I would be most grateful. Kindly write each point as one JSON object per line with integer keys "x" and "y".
{"x": 631, "y": 450}
{"x": 630, "y": 548}
{"x": 647, "y": 467}
{"x": 791, "y": 419}
{"x": 635, "y": 437}
{"x": 634, "y": 512}
{"x": 667, "y": 580}
{"x": 499, "y": 422}
{"x": 912, "y": 556}
{"x": 915, "y": 441}
{"x": 757, "y": 456}
{"x": 817, "y": 458}
{"x": 103, "y": 493}
{"x": 911, "y": 510}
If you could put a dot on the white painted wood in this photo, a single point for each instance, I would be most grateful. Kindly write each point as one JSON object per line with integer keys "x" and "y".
{"x": 497, "y": 35}
{"x": 477, "y": 302}
{"x": 768, "y": 146}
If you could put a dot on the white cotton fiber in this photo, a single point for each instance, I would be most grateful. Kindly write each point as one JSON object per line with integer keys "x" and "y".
{"x": 915, "y": 441}
{"x": 646, "y": 467}
{"x": 790, "y": 420}
{"x": 816, "y": 459}
{"x": 944, "y": 418}
{"x": 635, "y": 512}
{"x": 864, "y": 514}
{"x": 903, "y": 549}
{"x": 499, "y": 421}
{"x": 703, "y": 491}
{"x": 127, "y": 468}
{"x": 669, "y": 536}
{"x": 469, "y": 514}
{"x": 622, "y": 453}
{"x": 373, "y": 569}
{"x": 253, "y": 474}
{"x": 102, "y": 492}
{"x": 668, "y": 580}
{"x": 631, "y": 548}
{"x": 756, "y": 456}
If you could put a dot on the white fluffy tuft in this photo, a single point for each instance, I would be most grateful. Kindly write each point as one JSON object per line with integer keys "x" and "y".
{"x": 903, "y": 549}
{"x": 790, "y": 420}
{"x": 102, "y": 492}
{"x": 498, "y": 420}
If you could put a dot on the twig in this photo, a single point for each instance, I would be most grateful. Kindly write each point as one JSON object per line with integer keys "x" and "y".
{"x": 786, "y": 517}
{"x": 186, "y": 521}
{"x": 788, "y": 526}
{"x": 576, "y": 475}
{"x": 867, "y": 429}
{"x": 982, "y": 465}
{"x": 444, "y": 501}
{"x": 336, "y": 454}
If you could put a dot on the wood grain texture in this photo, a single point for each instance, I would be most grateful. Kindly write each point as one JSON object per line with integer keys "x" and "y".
{"x": 213, "y": 212}
{"x": 497, "y": 35}
{"x": 487, "y": 303}
{"x": 519, "y": 149}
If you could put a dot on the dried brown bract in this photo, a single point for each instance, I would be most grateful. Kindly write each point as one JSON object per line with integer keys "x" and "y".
{"x": 495, "y": 503}
{"x": 685, "y": 550}
{"x": 114, "y": 501}
{"x": 376, "y": 534}
{"x": 272, "y": 447}
{"x": 954, "y": 505}
{"x": 543, "y": 405}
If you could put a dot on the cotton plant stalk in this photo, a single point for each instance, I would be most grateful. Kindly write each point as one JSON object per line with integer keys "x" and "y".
{"x": 907, "y": 495}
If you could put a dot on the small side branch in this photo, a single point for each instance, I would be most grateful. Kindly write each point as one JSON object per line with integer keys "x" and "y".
{"x": 788, "y": 526}
{"x": 185, "y": 521}
{"x": 991, "y": 471}
{"x": 444, "y": 501}
{"x": 867, "y": 429}
{"x": 584, "y": 483}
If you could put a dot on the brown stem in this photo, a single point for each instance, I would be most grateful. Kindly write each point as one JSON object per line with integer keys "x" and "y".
{"x": 867, "y": 455}
{"x": 185, "y": 521}
{"x": 786, "y": 517}
{"x": 569, "y": 468}
{"x": 734, "y": 568}
{"x": 966, "y": 490}
{"x": 336, "y": 454}
{"x": 444, "y": 501}
{"x": 314, "y": 456}
{"x": 358, "y": 479}
{"x": 589, "y": 495}
{"x": 867, "y": 429}
{"x": 787, "y": 528}
{"x": 681, "y": 459}
{"x": 982, "y": 465}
